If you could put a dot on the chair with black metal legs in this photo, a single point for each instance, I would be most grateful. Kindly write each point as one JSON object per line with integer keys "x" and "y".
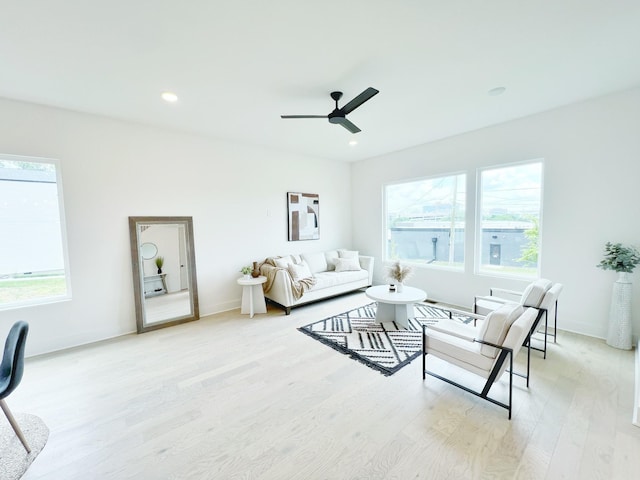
{"x": 11, "y": 370}
{"x": 487, "y": 350}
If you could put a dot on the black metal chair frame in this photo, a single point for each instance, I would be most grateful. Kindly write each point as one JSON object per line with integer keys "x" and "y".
{"x": 502, "y": 357}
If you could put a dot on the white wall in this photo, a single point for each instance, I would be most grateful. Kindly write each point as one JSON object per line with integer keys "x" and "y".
{"x": 112, "y": 170}
{"x": 591, "y": 152}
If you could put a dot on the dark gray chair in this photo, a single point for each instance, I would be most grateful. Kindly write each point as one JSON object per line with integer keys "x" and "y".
{"x": 11, "y": 370}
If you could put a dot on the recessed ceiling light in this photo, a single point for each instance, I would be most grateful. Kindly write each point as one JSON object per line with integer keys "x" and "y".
{"x": 169, "y": 97}
{"x": 494, "y": 92}
{"x": 353, "y": 143}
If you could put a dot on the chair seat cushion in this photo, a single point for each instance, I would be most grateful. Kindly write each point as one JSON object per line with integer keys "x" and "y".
{"x": 461, "y": 352}
{"x": 454, "y": 327}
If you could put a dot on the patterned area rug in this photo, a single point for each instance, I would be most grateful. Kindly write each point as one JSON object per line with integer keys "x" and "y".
{"x": 14, "y": 459}
{"x": 385, "y": 347}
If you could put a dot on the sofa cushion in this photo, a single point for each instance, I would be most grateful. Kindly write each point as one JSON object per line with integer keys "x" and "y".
{"x": 347, "y": 264}
{"x": 316, "y": 261}
{"x": 331, "y": 256}
{"x": 496, "y": 325}
{"x": 332, "y": 279}
{"x": 348, "y": 253}
{"x": 534, "y": 293}
{"x": 299, "y": 271}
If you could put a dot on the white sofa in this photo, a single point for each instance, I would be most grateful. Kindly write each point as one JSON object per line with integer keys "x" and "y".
{"x": 294, "y": 280}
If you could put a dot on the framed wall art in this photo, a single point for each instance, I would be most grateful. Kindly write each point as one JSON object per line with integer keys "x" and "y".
{"x": 304, "y": 216}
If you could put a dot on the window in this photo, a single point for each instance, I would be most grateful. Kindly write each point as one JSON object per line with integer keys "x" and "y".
{"x": 33, "y": 265}
{"x": 425, "y": 221}
{"x": 510, "y": 201}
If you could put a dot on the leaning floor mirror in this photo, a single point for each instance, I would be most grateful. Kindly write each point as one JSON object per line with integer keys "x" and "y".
{"x": 164, "y": 271}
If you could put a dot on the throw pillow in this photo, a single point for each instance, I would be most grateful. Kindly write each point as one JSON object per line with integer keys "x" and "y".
{"x": 347, "y": 264}
{"x": 282, "y": 262}
{"x": 299, "y": 271}
{"x": 348, "y": 253}
{"x": 331, "y": 256}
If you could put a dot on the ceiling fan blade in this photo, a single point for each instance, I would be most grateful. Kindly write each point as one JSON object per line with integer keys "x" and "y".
{"x": 347, "y": 124}
{"x": 303, "y": 116}
{"x": 359, "y": 100}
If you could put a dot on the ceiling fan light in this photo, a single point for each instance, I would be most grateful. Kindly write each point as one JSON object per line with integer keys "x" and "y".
{"x": 169, "y": 97}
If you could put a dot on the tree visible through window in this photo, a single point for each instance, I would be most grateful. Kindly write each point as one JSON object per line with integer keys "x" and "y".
{"x": 33, "y": 261}
{"x": 425, "y": 220}
{"x": 509, "y": 212}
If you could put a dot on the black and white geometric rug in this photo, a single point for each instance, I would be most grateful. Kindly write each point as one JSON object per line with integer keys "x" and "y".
{"x": 385, "y": 347}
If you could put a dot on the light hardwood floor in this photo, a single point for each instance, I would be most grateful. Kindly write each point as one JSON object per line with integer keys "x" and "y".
{"x": 231, "y": 397}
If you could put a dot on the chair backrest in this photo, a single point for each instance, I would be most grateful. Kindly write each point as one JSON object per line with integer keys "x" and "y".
{"x": 534, "y": 293}
{"x": 496, "y": 325}
{"x": 518, "y": 333}
{"x": 12, "y": 365}
{"x": 549, "y": 300}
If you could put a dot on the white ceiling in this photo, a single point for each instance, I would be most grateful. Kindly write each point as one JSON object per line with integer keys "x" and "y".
{"x": 237, "y": 66}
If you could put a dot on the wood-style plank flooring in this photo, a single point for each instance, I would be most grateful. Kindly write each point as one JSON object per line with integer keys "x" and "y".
{"x": 229, "y": 397}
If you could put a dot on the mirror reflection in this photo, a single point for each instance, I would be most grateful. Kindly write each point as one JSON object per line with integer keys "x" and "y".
{"x": 148, "y": 250}
{"x": 164, "y": 271}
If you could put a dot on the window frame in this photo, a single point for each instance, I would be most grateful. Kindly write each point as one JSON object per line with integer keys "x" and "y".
{"x": 63, "y": 234}
{"x": 477, "y": 264}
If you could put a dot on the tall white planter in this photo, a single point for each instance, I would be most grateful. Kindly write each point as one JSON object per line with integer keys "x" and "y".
{"x": 619, "y": 335}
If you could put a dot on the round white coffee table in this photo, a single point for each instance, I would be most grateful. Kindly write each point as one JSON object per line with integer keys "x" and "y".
{"x": 395, "y": 306}
{"x": 252, "y": 295}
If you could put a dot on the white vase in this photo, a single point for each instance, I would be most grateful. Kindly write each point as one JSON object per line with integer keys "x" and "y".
{"x": 399, "y": 287}
{"x": 619, "y": 334}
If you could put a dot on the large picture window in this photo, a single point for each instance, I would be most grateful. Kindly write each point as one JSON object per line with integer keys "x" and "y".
{"x": 33, "y": 266}
{"x": 425, "y": 221}
{"x": 509, "y": 212}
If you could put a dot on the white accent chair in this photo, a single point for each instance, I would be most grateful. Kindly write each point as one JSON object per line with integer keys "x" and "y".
{"x": 486, "y": 350}
{"x": 541, "y": 294}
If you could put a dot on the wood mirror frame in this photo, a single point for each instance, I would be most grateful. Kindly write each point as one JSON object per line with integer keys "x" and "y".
{"x": 164, "y": 299}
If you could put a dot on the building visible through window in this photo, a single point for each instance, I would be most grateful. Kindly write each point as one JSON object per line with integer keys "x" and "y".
{"x": 425, "y": 221}
{"x": 509, "y": 212}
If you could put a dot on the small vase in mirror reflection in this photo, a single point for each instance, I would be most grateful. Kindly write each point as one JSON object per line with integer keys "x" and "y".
{"x": 255, "y": 273}
{"x": 159, "y": 271}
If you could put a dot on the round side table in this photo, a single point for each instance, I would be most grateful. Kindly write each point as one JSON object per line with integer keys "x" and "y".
{"x": 252, "y": 295}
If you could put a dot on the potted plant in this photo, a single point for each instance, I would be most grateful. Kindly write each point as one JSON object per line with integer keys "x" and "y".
{"x": 159, "y": 263}
{"x": 398, "y": 273}
{"x": 621, "y": 259}
{"x": 246, "y": 271}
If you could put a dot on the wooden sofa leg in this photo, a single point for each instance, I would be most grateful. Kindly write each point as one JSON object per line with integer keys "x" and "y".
{"x": 287, "y": 310}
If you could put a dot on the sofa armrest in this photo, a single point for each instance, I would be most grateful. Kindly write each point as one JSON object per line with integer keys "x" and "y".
{"x": 278, "y": 285}
{"x": 366, "y": 263}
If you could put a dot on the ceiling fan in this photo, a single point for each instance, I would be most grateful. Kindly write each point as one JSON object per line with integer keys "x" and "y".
{"x": 339, "y": 114}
